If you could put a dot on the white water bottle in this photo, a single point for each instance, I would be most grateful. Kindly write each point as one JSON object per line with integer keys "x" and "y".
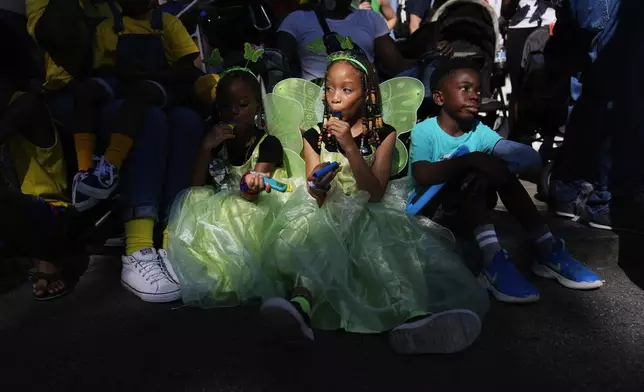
{"x": 500, "y": 58}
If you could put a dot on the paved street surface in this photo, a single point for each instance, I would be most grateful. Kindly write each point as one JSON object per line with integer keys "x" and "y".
{"x": 101, "y": 338}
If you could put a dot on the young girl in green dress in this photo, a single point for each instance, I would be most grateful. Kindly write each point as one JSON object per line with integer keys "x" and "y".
{"x": 355, "y": 260}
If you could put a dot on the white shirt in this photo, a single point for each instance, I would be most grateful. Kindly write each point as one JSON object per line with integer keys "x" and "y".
{"x": 533, "y": 13}
{"x": 363, "y": 26}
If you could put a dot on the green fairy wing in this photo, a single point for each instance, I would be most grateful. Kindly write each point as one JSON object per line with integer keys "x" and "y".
{"x": 399, "y": 158}
{"x": 294, "y": 164}
{"x": 308, "y": 94}
{"x": 283, "y": 118}
{"x": 401, "y": 98}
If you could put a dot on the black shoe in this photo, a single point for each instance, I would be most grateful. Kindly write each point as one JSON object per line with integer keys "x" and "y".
{"x": 288, "y": 319}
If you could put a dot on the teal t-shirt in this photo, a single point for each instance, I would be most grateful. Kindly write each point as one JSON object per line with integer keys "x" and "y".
{"x": 430, "y": 143}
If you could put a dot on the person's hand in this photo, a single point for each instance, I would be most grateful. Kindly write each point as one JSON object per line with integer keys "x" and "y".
{"x": 476, "y": 183}
{"x": 324, "y": 181}
{"x": 445, "y": 48}
{"x": 364, "y": 5}
{"x": 219, "y": 134}
{"x": 256, "y": 184}
{"x": 493, "y": 168}
{"x": 342, "y": 132}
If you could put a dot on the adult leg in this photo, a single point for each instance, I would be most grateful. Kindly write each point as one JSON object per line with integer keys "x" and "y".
{"x": 186, "y": 130}
{"x": 143, "y": 272}
{"x": 514, "y": 47}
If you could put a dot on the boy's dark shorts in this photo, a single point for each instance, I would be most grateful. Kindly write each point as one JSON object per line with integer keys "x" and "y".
{"x": 444, "y": 208}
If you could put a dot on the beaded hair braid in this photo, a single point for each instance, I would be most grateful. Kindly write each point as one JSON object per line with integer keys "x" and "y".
{"x": 372, "y": 122}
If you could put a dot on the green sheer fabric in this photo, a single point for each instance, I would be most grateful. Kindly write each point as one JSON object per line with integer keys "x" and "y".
{"x": 368, "y": 265}
{"x": 215, "y": 238}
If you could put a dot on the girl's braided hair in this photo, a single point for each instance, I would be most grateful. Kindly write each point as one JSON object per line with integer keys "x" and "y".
{"x": 372, "y": 110}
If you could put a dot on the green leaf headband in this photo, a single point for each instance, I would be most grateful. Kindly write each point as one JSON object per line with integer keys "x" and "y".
{"x": 251, "y": 54}
{"x": 346, "y": 57}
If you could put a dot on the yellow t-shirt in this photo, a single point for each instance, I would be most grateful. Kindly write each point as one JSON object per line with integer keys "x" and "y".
{"x": 41, "y": 171}
{"x": 177, "y": 43}
{"x": 55, "y": 76}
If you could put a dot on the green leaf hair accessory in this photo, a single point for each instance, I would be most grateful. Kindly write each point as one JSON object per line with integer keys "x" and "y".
{"x": 345, "y": 42}
{"x": 344, "y": 56}
{"x": 215, "y": 59}
{"x": 252, "y": 53}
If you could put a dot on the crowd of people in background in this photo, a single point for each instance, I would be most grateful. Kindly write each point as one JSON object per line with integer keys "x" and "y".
{"x": 109, "y": 106}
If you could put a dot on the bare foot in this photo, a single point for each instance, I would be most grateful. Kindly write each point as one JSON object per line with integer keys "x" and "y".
{"x": 48, "y": 287}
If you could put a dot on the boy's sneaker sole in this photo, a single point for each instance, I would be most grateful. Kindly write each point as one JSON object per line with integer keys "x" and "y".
{"x": 280, "y": 315}
{"x": 86, "y": 205}
{"x": 499, "y": 296}
{"x": 546, "y": 272}
{"x": 441, "y": 333}
{"x": 154, "y": 298}
{"x": 565, "y": 214}
{"x": 96, "y": 193}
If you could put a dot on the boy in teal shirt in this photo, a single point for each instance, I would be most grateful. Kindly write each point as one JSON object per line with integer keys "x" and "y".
{"x": 473, "y": 178}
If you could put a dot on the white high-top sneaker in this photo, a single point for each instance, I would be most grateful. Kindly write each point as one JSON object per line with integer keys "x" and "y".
{"x": 163, "y": 254}
{"x": 145, "y": 275}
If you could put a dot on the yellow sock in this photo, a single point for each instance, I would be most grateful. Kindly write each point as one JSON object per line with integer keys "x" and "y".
{"x": 118, "y": 148}
{"x": 84, "y": 144}
{"x": 139, "y": 235}
{"x": 165, "y": 239}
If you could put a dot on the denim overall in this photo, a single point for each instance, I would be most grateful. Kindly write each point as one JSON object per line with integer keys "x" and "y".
{"x": 140, "y": 52}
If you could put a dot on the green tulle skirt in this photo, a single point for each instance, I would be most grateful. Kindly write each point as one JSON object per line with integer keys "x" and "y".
{"x": 215, "y": 246}
{"x": 369, "y": 266}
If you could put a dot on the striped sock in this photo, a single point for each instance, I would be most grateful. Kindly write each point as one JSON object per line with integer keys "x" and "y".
{"x": 488, "y": 242}
{"x": 544, "y": 241}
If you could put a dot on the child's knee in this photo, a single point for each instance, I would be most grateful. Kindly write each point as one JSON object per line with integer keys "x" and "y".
{"x": 146, "y": 92}
{"x": 89, "y": 91}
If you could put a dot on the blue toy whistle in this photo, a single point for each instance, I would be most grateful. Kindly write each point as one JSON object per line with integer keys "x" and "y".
{"x": 318, "y": 174}
{"x": 417, "y": 201}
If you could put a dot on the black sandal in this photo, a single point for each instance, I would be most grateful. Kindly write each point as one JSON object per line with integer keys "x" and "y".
{"x": 34, "y": 276}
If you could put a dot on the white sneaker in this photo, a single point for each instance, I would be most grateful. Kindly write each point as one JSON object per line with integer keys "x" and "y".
{"x": 163, "y": 254}
{"x": 145, "y": 276}
{"x": 440, "y": 333}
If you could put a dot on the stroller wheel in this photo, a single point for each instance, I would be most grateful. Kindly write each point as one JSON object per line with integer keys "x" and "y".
{"x": 543, "y": 188}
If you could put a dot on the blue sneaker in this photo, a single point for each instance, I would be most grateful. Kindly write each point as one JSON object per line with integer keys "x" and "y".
{"x": 506, "y": 283}
{"x": 81, "y": 201}
{"x": 100, "y": 181}
{"x": 566, "y": 270}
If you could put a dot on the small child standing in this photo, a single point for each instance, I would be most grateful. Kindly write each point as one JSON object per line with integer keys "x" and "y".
{"x": 471, "y": 180}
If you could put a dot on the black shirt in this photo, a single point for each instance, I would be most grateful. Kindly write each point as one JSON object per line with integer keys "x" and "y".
{"x": 270, "y": 151}
{"x": 313, "y": 136}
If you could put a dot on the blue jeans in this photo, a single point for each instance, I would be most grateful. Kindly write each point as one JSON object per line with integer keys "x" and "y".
{"x": 604, "y": 134}
{"x": 520, "y": 158}
{"x": 160, "y": 162}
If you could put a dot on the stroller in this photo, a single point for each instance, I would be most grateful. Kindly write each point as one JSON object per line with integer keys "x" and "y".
{"x": 543, "y": 103}
{"x": 226, "y": 25}
{"x": 472, "y": 29}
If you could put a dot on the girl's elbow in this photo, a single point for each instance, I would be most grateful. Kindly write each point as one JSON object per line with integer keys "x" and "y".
{"x": 377, "y": 196}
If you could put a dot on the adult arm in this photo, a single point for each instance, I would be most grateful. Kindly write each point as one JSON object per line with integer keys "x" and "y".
{"x": 388, "y": 12}
{"x": 389, "y": 57}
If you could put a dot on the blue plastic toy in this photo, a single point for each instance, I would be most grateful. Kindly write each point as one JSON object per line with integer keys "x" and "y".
{"x": 416, "y": 202}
